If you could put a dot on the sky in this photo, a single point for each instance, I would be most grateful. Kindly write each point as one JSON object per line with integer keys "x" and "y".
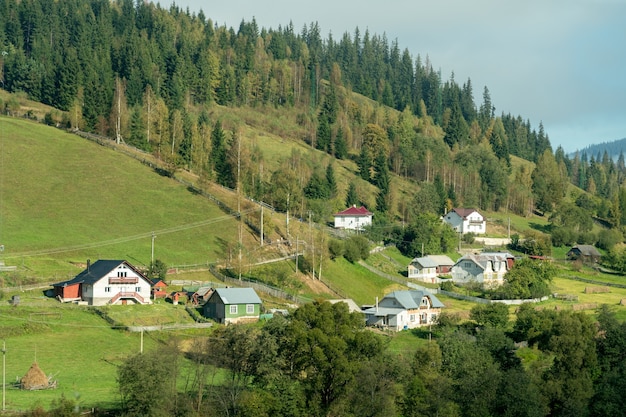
{"x": 558, "y": 62}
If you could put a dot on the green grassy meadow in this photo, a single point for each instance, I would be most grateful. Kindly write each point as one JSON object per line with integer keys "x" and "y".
{"x": 64, "y": 200}
{"x": 77, "y": 347}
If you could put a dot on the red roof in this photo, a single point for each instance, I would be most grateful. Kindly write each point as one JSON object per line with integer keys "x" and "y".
{"x": 464, "y": 212}
{"x": 354, "y": 211}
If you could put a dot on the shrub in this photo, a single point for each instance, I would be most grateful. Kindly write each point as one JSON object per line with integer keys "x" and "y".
{"x": 335, "y": 248}
{"x": 447, "y": 286}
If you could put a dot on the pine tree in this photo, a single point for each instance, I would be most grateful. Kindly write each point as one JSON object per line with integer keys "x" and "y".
{"x": 330, "y": 180}
{"x": 382, "y": 181}
{"x": 365, "y": 164}
{"x": 323, "y": 135}
{"x": 341, "y": 147}
{"x": 352, "y": 199}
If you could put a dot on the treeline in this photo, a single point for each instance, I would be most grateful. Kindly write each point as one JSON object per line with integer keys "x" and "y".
{"x": 152, "y": 77}
{"x": 149, "y": 76}
{"x": 320, "y": 361}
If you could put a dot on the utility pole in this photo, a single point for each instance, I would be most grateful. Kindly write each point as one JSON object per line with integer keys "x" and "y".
{"x": 239, "y": 202}
{"x": 152, "y": 253}
{"x": 297, "y": 238}
{"x": 261, "y": 223}
{"x": 4, "y": 375}
{"x": 288, "y": 195}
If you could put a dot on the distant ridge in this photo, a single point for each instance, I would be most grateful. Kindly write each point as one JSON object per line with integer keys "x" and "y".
{"x": 613, "y": 149}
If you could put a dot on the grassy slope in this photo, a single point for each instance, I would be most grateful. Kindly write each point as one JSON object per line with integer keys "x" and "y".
{"x": 76, "y": 347}
{"x": 59, "y": 192}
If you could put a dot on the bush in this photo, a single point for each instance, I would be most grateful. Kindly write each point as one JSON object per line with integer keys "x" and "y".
{"x": 351, "y": 252}
{"x": 469, "y": 238}
{"x": 335, "y": 248}
{"x": 447, "y": 286}
{"x": 304, "y": 264}
{"x": 356, "y": 248}
{"x": 609, "y": 238}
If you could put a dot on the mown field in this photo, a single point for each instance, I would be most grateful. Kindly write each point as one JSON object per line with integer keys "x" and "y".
{"x": 64, "y": 200}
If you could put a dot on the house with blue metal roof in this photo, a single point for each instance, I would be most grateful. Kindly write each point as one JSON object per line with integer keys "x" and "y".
{"x": 233, "y": 305}
{"x": 402, "y": 310}
{"x": 106, "y": 282}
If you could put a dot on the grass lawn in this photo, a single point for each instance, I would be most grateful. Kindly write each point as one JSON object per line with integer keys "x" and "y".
{"x": 357, "y": 282}
{"x": 66, "y": 199}
{"x": 70, "y": 343}
{"x": 78, "y": 348}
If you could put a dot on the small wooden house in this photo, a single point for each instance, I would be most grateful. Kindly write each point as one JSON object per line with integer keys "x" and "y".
{"x": 159, "y": 288}
{"x": 586, "y": 253}
{"x": 233, "y": 305}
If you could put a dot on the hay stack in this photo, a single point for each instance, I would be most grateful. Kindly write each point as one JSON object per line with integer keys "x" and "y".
{"x": 34, "y": 379}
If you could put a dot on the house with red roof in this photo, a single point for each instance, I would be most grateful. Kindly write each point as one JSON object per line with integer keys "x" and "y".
{"x": 466, "y": 220}
{"x": 353, "y": 218}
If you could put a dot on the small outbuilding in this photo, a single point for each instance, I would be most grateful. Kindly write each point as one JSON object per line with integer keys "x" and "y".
{"x": 586, "y": 253}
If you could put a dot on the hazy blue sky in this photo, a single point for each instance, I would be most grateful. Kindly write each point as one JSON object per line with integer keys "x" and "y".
{"x": 562, "y": 62}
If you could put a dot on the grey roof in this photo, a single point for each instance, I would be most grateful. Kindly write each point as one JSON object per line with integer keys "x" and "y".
{"x": 238, "y": 296}
{"x": 352, "y": 306}
{"x": 383, "y": 311}
{"x": 425, "y": 262}
{"x": 484, "y": 258}
{"x": 411, "y": 299}
{"x": 96, "y": 271}
{"x": 587, "y": 250}
{"x": 441, "y": 260}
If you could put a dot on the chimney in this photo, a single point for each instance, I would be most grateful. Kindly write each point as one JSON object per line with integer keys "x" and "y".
{"x": 376, "y": 304}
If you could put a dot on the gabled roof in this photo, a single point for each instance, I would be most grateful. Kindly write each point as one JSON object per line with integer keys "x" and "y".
{"x": 484, "y": 258}
{"x": 96, "y": 271}
{"x": 352, "y": 306}
{"x": 425, "y": 262}
{"x": 355, "y": 211}
{"x": 441, "y": 260}
{"x": 412, "y": 299}
{"x": 158, "y": 282}
{"x": 237, "y": 296}
{"x": 464, "y": 212}
{"x": 587, "y": 250}
{"x": 433, "y": 261}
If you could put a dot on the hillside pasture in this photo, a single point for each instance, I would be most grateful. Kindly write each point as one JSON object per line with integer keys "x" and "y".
{"x": 65, "y": 200}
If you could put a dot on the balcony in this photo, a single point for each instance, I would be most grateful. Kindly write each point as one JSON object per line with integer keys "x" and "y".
{"x": 123, "y": 280}
{"x": 127, "y": 295}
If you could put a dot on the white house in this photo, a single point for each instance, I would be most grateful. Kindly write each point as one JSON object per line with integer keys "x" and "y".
{"x": 106, "y": 282}
{"x": 464, "y": 220}
{"x": 428, "y": 268}
{"x": 401, "y": 310}
{"x": 487, "y": 268}
{"x": 353, "y": 218}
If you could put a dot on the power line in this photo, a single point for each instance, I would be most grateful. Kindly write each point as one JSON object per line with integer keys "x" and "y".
{"x": 124, "y": 239}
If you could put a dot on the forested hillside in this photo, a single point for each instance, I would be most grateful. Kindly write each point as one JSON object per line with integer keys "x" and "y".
{"x": 163, "y": 80}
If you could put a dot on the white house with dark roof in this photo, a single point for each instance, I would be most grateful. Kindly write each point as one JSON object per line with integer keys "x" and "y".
{"x": 106, "y": 282}
{"x": 487, "y": 268}
{"x": 353, "y": 218}
{"x": 401, "y": 310}
{"x": 466, "y": 220}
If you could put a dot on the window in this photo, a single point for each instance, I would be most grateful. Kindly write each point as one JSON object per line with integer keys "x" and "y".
{"x": 249, "y": 308}
{"x": 137, "y": 289}
{"x": 233, "y": 309}
{"x": 122, "y": 274}
{"x": 412, "y": 318}
{"x": 107, "y": 289}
